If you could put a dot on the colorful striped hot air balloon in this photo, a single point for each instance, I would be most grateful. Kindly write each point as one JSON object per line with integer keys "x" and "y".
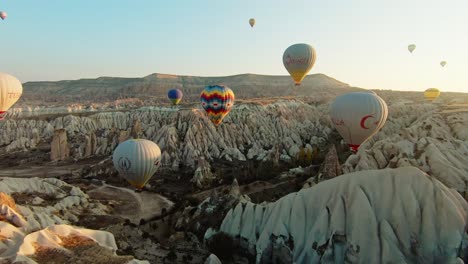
{"x": 431, "y": 94}
{"x": 358, "y": 116}
{"x": 137, "y": 160}
{"x": 217, "y": 100}
{"x": 175, "y": 95}
{"x": 10, "y": 91}
{"x": 298, "y": 60}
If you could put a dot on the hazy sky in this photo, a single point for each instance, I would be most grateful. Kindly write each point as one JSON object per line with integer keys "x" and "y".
{"x": 360, "y": 42}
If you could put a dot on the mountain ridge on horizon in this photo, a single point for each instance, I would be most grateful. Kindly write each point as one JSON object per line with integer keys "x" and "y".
{"x": 245, "y": 85}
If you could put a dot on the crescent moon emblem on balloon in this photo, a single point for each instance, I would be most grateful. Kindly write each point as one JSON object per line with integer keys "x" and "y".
{"x": 363, "y": 121}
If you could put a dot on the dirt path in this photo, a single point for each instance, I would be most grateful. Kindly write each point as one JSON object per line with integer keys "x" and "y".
{"x": 130, "y": 204}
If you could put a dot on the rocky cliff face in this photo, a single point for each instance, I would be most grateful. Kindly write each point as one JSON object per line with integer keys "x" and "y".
{"x": 426, "y": 137}
{"x": 250, "y": 131}
{"x": 376, "y": 216}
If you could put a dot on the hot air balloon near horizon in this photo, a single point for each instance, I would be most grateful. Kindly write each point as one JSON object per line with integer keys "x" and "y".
{"x": 252, "y": 22}
{"x": 411, "y": 47}
{"x": 175, "y": 96}
{"x": 431, "y": 94}
{"x": 11, "y": 90}
{"x": 137, "y": 160}
{"x": 298, "y": 60}
{"x": 443, "y": 63}
{"x": 217, "y": 100}
{"x": 357, "y": 116}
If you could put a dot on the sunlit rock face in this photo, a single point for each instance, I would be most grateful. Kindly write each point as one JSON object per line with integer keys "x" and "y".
{"x": 420, "y": 136}
{"x": 376, "y": 216}
{"x": 250, "y": 131}
{"x": 35, "y": 224}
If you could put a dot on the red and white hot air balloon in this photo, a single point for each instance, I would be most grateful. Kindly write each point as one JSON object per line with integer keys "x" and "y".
{"x": 3, "y": 15}
{"x": 10, "y": 91}
{"x": 358, "y": 116}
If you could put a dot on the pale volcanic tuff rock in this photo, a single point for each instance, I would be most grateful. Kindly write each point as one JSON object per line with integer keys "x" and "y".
{"x": 187, "y": 134}
{"x": 437, "y": 143}
{"x": 393, "y": 215}
{"x": 33, "y": 230}
{"x": 45, "y": 202}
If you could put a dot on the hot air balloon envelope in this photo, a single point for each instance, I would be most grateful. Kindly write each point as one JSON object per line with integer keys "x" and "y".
{"x": 252, "y": 22}
{"x": 175, "y": 96}
{"x": 137, "y": 160}
{"x": 3, "y": 15}
{"x": 217, "y": 100}
{"x": 411, "y": 47}
{"x": 298, "y": 60}
{"x": 10, "y": 91}
{"x": 443, "y": 63}
{"x": 358, "y": 116}
{"x": 431, "y": 94}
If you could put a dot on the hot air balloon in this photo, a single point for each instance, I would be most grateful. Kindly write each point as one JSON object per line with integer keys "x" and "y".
{"x": 217, "y": 100}
{"x": 431, "y": 94}
{"x": 10, "y": 91}
{"x": 443, "y": 63}
{"x": 175, "y": 95}
{"x": 137, "y": 160}
{"x": 3, "y": 15}
{"x": 411, "y": 47}
{"x": 252, "y": 22}
{"x": 299, "y": 60}
{"x": 358, "y": 116}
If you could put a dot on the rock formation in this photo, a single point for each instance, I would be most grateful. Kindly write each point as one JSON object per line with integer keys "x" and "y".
{"x": 377, "y": 216}
{"x": 59, "y": 149}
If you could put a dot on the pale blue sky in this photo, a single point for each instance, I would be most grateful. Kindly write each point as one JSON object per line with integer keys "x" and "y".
{"x": 360, "y": 42}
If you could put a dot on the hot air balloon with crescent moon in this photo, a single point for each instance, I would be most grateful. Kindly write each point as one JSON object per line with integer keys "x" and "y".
{"x": 10, "y": 91}
{"x": 137, "y": 160}
{"x": 358, "y": 116}
{"x": 431, "y": 94}
{"x": 3, "y": 15}
{"x": 443, "y": 63}
{"x": 411, "y": 47}
{"x": 217, "y": 100}
{"x": 175, "y": 96}
{"x": 252, "y": 22}
{"x": 298, "y": 60}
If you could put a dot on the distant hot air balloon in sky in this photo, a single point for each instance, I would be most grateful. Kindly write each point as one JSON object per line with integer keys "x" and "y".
{"x": 358, "y": 116}
{"x": 411, "y": 47}
{"x": 137, "y": 160}
{"x": 10, "y": 91}
{"x": 175, "y": 95}
{"x": 252, "y": 22}
{"x": 298, "y": 60}
{"x": 443, "y": 63}
{"x": 3, "y": 15}
{"x": 217, "y": 100}
{"x": 431, "y": 94}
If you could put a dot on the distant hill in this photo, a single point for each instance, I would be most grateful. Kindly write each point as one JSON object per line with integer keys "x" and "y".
{"x": 243, "y": 85}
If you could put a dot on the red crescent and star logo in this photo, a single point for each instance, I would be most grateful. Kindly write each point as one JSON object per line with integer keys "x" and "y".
{"x": 364, "y": 119}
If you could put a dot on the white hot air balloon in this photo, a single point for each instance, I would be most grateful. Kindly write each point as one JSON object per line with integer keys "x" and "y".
{"x": 358, "y": 116}
{"x": 411, "y": 47}
{"x": 298, "y": 60}
{"x": 10, "y": 91}
{"x": 137, "y": 160}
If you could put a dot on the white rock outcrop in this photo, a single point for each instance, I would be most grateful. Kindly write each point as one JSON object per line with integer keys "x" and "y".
{"x": 377, "y": 216}
{"x": 435, "y": 142}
